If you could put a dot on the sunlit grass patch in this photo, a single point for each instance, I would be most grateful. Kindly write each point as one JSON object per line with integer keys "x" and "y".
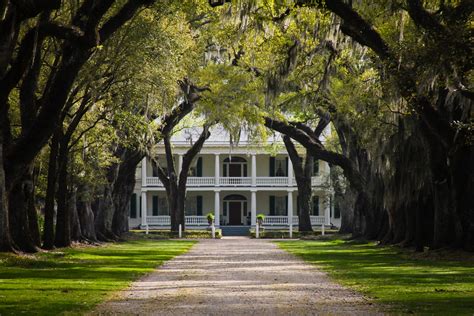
{"x": 75, "y": 280}
{"x": 404, "y": 283}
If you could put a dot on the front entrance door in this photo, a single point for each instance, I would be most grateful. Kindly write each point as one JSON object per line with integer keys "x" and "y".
{"x": 235, "y": 213}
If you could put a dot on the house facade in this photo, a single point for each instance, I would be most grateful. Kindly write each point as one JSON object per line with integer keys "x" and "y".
{"x": 235, "y": 183}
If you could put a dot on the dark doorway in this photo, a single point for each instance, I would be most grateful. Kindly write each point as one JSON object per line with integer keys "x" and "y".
{"x": 235, "y": 213}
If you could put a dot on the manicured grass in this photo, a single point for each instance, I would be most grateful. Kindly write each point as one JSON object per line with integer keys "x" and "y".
{"x": 394, "y": 277}
{"x": 75, "y": 280}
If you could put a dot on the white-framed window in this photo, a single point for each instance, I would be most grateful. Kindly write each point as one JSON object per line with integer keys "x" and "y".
{"x": 280, "y": 206}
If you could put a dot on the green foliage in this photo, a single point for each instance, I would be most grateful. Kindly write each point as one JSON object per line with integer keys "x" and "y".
{"x": 75, "y": 280}
{"x": 405, "y": 283}
{"x": 210, "y": 217}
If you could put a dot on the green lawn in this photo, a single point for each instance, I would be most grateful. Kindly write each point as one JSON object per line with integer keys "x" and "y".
{"x": 406, "y": 284}
{"x": 74, "y": 280}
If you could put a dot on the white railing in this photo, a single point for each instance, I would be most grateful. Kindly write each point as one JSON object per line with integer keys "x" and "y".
{"x": 158, "y": 220}
{"x": 196, "y": 221}
{"x": 283, "y": 220}
{"x": 201, "y": 181}
{"x": 275, "y": 220}
{"x": 235, "y": 181}
{"x": 165, "y": 220}
{"x": 238, "y": 181}
{"x": 272, "y": 181}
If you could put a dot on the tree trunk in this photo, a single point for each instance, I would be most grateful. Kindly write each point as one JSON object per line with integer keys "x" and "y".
{"x": 86, "y": 216}
{"x": 76, "y": 231}
{"x": 104, "y": 211}
{"x": 21, "y": 215}
{"x": 123, "y": 188}
{"x": 50, "y": 200}
{"x": 5, "y": 238}
{"x": 63, "y": 219}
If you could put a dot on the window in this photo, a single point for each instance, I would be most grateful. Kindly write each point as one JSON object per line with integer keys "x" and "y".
{"x": 154, "y": 205}
{"x": 316, "y": 167}
{"x": 315, "y": 206}
{"x": 133, "y": 206}
{"x": 191, "y": 207}
{"x": 163, "y": 206}
{"x": 278, "y": 166}
{"x": 196, "y": 169}
{"x": 194, "y": 206}
{"x": 159, "y": 206}
{"x": 235, "y": 167}
{"x": 278, "y": 205}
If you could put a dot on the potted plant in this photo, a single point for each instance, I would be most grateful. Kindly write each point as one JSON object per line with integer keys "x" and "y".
{"x": 260, "y": 218}
{"x": 210, "y": 218}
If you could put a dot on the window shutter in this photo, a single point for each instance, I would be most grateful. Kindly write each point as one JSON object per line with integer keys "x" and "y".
{"x": 199, "y": 205}
{"x": 297, "y": 205}
{"x": 286, "y": 205}
{"x": 272, "y": 205}
{"x": 133, "y": 206}
{"x": 316, "y": 205}
{"x": 140, "y": 207}
{"x": 155, "y": 205}
{"x": 199, "y": 167}
{"x": 315, "y": 167}
{"x": 272, "y": 166}
{"x": 287, "y": 164}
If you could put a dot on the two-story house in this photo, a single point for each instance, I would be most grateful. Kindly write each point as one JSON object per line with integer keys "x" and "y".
{"x": 235, "y": 183}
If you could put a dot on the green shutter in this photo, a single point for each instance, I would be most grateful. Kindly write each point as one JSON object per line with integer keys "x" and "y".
{"x": 286, "y": 205}
{"x": 272, "y": 166}
{"x": 199, "y": 205}
{"x": 272, "y": 205}
{"x": 133, "y": 206}
{"x": 199, "y": 167}
{"x": 140, "y": 206}
{"x": 287, "y": 165}
{"x": 155, "y": 205}
{"x": 315, "y": 167}
{"x": 297, "y": 205}
{"x": 316, "y": 205}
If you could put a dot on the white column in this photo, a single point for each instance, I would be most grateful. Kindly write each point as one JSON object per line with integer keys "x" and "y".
{"x": 290, "y": 172}
{"x": 217, "y": 208}
{"x": 253, "y": 209}
{"x": 216, "y": 169}
{"x": 180, "y": 163}
{"x": 144, "y": 172}
{"x": 254, "y": 170}
{"x": 326, "y": 210}
{"x": 290, "y": 207}
{"x": 144, "y": 211}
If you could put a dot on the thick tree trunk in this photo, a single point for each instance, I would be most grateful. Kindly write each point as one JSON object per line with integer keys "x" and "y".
{"x": 86, "y": 216}
{"x": 104, "y": 211}
{"x": 123, "y": 189}
{"x": 21, "y": 198}
{"x": 76, "y": 231}
{"x": 63, "y": 219}
{"x": 50, "y": 200}
{"x": 5, "y": 238}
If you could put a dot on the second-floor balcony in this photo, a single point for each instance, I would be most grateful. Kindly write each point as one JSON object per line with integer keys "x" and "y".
{"x": 241, "y": 181}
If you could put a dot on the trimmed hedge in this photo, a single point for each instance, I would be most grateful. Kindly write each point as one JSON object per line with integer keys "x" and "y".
{"x": 188, "y": 234}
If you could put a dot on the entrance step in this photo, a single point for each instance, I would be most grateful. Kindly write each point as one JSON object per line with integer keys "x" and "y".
{"x": 235, "y": 230}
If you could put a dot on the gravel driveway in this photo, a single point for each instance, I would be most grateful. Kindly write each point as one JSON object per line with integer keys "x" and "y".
{"x": 236, "y": 276}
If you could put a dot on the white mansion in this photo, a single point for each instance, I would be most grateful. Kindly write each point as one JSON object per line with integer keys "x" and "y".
{"x": 235, "y": 183}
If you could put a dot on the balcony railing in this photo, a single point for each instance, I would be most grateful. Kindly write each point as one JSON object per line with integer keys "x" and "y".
{"x": 238, "y": 181}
